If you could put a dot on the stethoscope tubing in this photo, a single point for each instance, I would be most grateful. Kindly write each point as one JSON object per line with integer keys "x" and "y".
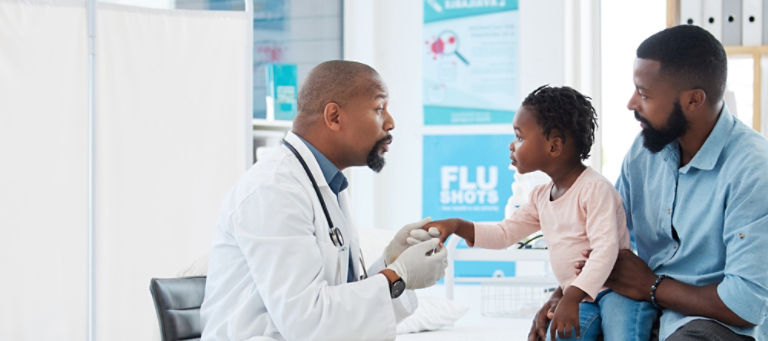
{"x": 334, "y": 232}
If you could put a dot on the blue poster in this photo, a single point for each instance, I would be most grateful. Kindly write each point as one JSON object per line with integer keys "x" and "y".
{"x": 470, "y": 61}
{"x": 466, "y": 176}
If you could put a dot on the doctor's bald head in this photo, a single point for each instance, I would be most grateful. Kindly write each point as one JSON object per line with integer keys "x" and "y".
{"x": 334, "y": 81}
{"x": 342, "y": 110}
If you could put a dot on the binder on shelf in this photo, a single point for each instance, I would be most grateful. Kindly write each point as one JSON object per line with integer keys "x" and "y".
{"x": 765, "y": 22}
{"x": 690, "y": 12}
{"x": 731, "y": 22}
{"x": 282, "y": 91}
{"x": 752, "y": 22}
{"x": 712, "y": 18}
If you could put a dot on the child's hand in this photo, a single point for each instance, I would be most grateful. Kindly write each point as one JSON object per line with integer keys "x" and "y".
{"x": 566, "y": 318}
{"x": 445, "y": 228}
{"x": 567, "y": 315}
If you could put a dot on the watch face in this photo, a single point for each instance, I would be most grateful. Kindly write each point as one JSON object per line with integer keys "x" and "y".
{"x": 397, "y": 288}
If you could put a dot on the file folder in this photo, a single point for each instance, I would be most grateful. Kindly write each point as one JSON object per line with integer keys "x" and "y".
{"x": 765, "y": 22}
{"x": 690, "y": 12}
{"x": 752, "y": 22}
{"x": 731, "y": 22}
{"x": 712, "y": 18}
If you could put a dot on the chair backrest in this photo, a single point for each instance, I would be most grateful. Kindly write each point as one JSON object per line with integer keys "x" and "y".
{"x": 177, "y": 302}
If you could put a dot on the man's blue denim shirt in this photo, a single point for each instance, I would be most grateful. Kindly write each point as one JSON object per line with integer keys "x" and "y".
{"x": 707, "y": 221}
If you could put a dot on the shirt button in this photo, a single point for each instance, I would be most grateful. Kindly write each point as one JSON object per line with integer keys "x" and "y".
{"x": 741, "y": 235}
{"x": 674, "y": 246}
{"x": 669, "y": 211}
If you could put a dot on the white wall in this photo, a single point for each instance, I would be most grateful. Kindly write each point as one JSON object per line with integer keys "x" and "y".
{"x": 625, "y": 25}
{"x": 388, "y": 36}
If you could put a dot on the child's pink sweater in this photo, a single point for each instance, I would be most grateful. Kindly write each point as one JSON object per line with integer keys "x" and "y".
{"x": 589, "y": 215}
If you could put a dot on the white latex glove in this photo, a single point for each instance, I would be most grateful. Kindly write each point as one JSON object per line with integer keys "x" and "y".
{"x": 408, "y": 235}
{"x": 419, "y": 270}
{"x": 420, "y": 235}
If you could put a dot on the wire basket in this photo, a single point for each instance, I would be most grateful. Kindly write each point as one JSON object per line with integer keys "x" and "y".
{"x": 501, "y": 299}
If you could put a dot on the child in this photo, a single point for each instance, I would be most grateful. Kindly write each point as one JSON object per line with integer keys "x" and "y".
{"x": 578, "y": 210}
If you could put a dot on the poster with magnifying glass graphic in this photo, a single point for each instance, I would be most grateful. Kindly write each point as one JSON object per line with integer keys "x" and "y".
{"x": 470, "y": 61}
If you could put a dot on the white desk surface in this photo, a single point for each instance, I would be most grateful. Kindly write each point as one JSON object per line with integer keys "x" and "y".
{"x": 471, "y": 326}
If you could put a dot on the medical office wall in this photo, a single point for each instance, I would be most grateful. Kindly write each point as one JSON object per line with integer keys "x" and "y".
{"x": 549, "y": 53}
{"x": 170, "y": 135}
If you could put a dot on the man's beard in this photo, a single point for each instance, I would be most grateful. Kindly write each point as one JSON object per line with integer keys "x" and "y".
{"x": 656, "y": 139}
{"x": 374, "y": 160}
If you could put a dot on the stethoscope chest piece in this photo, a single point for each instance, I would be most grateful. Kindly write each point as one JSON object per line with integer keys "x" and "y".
{"x": 336, "y": 237}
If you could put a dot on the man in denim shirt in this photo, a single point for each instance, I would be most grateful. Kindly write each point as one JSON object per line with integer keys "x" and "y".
{"x": 695, "y": 189}
{"x": 694, "y": 186}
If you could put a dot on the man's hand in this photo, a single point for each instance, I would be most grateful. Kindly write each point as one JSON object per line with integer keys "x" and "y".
{"x": 579, "y": 264}
{"x": 541, "y": 319}
{"x": 408, "y": 235}
{"x": 631, "y": 277}
{"x": 566, "y": 317}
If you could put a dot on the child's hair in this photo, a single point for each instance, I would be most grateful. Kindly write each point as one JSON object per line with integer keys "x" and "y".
{"x": 566, "y": 110}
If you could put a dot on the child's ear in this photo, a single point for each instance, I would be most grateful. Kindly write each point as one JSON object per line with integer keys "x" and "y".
{"x": 556, "y": 144}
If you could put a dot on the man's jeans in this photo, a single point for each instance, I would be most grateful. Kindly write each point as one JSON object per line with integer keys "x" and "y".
{"x": 614, "y": 317}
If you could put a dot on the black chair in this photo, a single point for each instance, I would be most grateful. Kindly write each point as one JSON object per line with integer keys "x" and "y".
{"x": 177, "y": 302}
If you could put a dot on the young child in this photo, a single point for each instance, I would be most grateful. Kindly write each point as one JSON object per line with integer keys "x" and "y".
{"x": 578, "y": 210}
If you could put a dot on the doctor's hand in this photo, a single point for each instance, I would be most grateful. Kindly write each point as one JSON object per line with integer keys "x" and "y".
{"x": 419, "y": 270}
{"x": 408, "y": 235}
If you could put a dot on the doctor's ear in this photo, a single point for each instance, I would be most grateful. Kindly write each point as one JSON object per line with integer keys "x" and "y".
{"x": 332, "y": 116}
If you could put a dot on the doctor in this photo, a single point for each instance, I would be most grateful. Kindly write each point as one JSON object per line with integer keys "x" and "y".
{"x": 285, "y": 262}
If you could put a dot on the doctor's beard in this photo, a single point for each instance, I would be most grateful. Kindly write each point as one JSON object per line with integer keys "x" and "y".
{"x": 375, "y": 160}
{"x": 656, "y": 139}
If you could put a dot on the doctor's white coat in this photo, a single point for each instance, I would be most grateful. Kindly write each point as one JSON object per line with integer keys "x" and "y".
{"x": 274, "y": 272}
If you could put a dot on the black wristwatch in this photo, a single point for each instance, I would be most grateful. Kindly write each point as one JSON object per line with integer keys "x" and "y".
{"x": 396, "y": 288}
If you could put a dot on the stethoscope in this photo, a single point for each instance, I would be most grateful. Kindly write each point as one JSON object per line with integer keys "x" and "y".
{"x": 337, "y": 238}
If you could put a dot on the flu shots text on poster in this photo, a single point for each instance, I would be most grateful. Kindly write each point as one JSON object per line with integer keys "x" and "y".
{"x": 470, "y": 61}
{"x": 466, "y": 176}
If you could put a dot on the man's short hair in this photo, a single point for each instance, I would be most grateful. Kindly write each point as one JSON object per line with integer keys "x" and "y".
{"x": 690, "y": 56}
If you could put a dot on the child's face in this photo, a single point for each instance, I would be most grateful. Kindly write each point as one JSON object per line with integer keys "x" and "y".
{"x": 529, "y": 149}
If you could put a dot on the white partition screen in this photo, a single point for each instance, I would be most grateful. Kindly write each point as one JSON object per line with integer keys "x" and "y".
{"x": 171, "y": 109}
{"x": 43, "y": 171}
{"x": 171, "y": 136}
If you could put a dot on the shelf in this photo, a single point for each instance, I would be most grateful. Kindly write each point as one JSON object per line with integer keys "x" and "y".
{"x": 523, "y": 281}
{"x": 746, "y": 50}
{"x": 501, "y": 255}
{"x": 755, "y": 52}
{"x": 261, "y": 124}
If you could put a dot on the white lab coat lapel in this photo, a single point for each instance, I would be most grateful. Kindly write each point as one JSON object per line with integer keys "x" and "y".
{"x": 354, "y": 241}
{"x": 338, "y": 216}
